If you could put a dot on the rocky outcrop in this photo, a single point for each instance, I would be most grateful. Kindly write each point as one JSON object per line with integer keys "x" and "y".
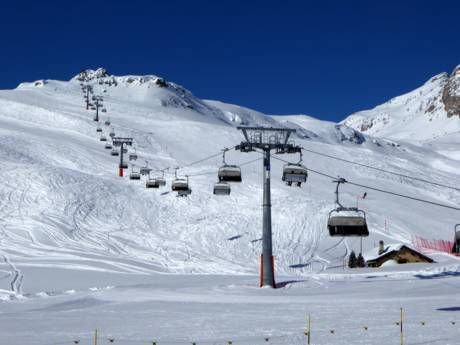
{"x": 451, "y": 94}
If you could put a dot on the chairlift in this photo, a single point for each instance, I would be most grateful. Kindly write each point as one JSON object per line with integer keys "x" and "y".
{"x": 103, "y": 110}
{"x": 133, "y": 155}
{"x": 108, "y": 146}
{"x": 107, "y": 122}
{"x": 124, "y": 165}
{"x": 103, "y": 138}
{"x": 456, "y": 246}
{"x": 98, "y": 129}
{"x": 295, "y": 173}
{"x": 152, "y": 183}
{"x": 115, "y": 152}
{"x": 112, "y": 133}
{"x": 222, "y": 188}
{"x": 134, "y": 175}
{"x": 145, "y": 170}
{"x": 346, "y": 221}
{"x": 179, "y": 183}
{"x": 229, "y": 173}
{"x": 161, "y": 179}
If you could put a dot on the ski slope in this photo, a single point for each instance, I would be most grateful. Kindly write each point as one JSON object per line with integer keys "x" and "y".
{"x": 78, "y": 242}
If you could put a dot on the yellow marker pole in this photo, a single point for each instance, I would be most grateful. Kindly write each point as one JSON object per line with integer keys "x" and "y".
{"x": 309, "y": 329}
{"x": 401, "y": 327}
{"x": 95, "y": 337}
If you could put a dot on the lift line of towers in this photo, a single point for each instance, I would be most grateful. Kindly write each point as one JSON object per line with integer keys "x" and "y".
{"x": 342, "y": 221}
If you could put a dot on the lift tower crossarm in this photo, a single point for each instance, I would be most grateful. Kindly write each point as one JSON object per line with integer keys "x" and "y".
{"x": 267, "y": 139}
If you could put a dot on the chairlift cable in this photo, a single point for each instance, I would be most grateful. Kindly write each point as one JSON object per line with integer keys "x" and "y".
{"x": 382, "y": 170}
{"x": 205, "y": 158}
{"x": 379, "y": 189}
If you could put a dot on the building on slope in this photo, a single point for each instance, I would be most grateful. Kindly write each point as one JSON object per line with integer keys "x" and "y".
{"x": 397, "y": 253}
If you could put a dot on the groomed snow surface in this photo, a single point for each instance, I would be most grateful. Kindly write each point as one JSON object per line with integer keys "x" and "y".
{"x": 81, "y": 248}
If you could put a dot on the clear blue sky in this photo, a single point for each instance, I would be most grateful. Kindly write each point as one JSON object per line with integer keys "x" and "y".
{"x": 323, "y": 58}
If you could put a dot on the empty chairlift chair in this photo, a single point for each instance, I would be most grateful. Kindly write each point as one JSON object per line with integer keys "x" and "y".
{"x": 115, "y": 152}
{"x": 98, "y": 129}
{"x": 346, "y": 221}
{"x": 103, "y": 138}
{"x": 161, "y": 179}
{"x": 151, "y": 183}
{"x": 145, "y": 170}
{"x": 222, "y": 188}
{"x": 107, "y": 122}
{"x": 133, "y": 155}
{"x": 229, "y": 173}
{"x": 295, "y": 173}
{"x": 134, "y": 175}
{"x": 108, "y": 146}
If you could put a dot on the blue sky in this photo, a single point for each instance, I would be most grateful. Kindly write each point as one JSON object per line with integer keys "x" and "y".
{"x": 323, "y": 58}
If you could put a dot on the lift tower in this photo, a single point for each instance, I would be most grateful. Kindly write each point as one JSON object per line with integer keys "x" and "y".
{"x": 98, "y": 104}
{"x": 121, "y": 142}
{"x": 267, "y": 139}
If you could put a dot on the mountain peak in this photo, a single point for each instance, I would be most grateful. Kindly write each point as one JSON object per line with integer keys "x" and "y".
{"x": 456, "y": 71}
{"x": 90, "y": 74}
{"x": 426, "y": 113}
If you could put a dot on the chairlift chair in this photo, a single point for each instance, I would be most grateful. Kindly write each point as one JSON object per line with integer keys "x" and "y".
{"x": 124, "y": 165}
{"x": 108, "y": 146}
{"x": 112, "y": 133}
{"x": 295, "y": 173}
{"x": 161, "y": 179}
{"x": 179, "y": 183}
{"x": 115, "y": 152}
{"x": 133, "y": 155}
{"x": 145, "y": 170}
{"x": 103, "y": 110}
{"x": 103, "y": 138}
{"x": 107, "y": 122}
{"x": 134, "y": 175}
{"x": 222, "y": 188}
{"x": 346, "y": 221}
{"x": 152, "y": 183}
{"x": 456, "y": 245}
{"x": 99, "y": 129}
{"x": 229, "y": 173}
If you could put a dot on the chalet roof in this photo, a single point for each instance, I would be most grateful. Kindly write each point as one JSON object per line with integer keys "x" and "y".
{"x": 373, "y": 254}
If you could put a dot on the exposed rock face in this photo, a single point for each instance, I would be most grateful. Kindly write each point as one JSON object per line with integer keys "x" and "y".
{"x": 426, "y": 113}
{"x": 451, "y": 94}
{"x": 88, "y": 74}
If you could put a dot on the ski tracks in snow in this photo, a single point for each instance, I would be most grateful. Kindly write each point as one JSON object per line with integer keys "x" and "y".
{"x": 18, "y": 277}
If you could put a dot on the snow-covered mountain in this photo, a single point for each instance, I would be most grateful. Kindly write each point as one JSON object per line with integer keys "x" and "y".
{"x": 74, "y": 235}
{"x": 428, "y": 113}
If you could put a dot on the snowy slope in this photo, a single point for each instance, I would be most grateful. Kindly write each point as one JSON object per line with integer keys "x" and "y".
{"x": 68, "y": 222}
{"x": 425, "y": 114}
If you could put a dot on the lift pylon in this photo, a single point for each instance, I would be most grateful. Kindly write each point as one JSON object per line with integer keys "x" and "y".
{"x": 267, "y": 139}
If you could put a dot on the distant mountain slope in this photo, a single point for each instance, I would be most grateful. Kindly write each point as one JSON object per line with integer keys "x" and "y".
{"x": 426, "y": 114}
